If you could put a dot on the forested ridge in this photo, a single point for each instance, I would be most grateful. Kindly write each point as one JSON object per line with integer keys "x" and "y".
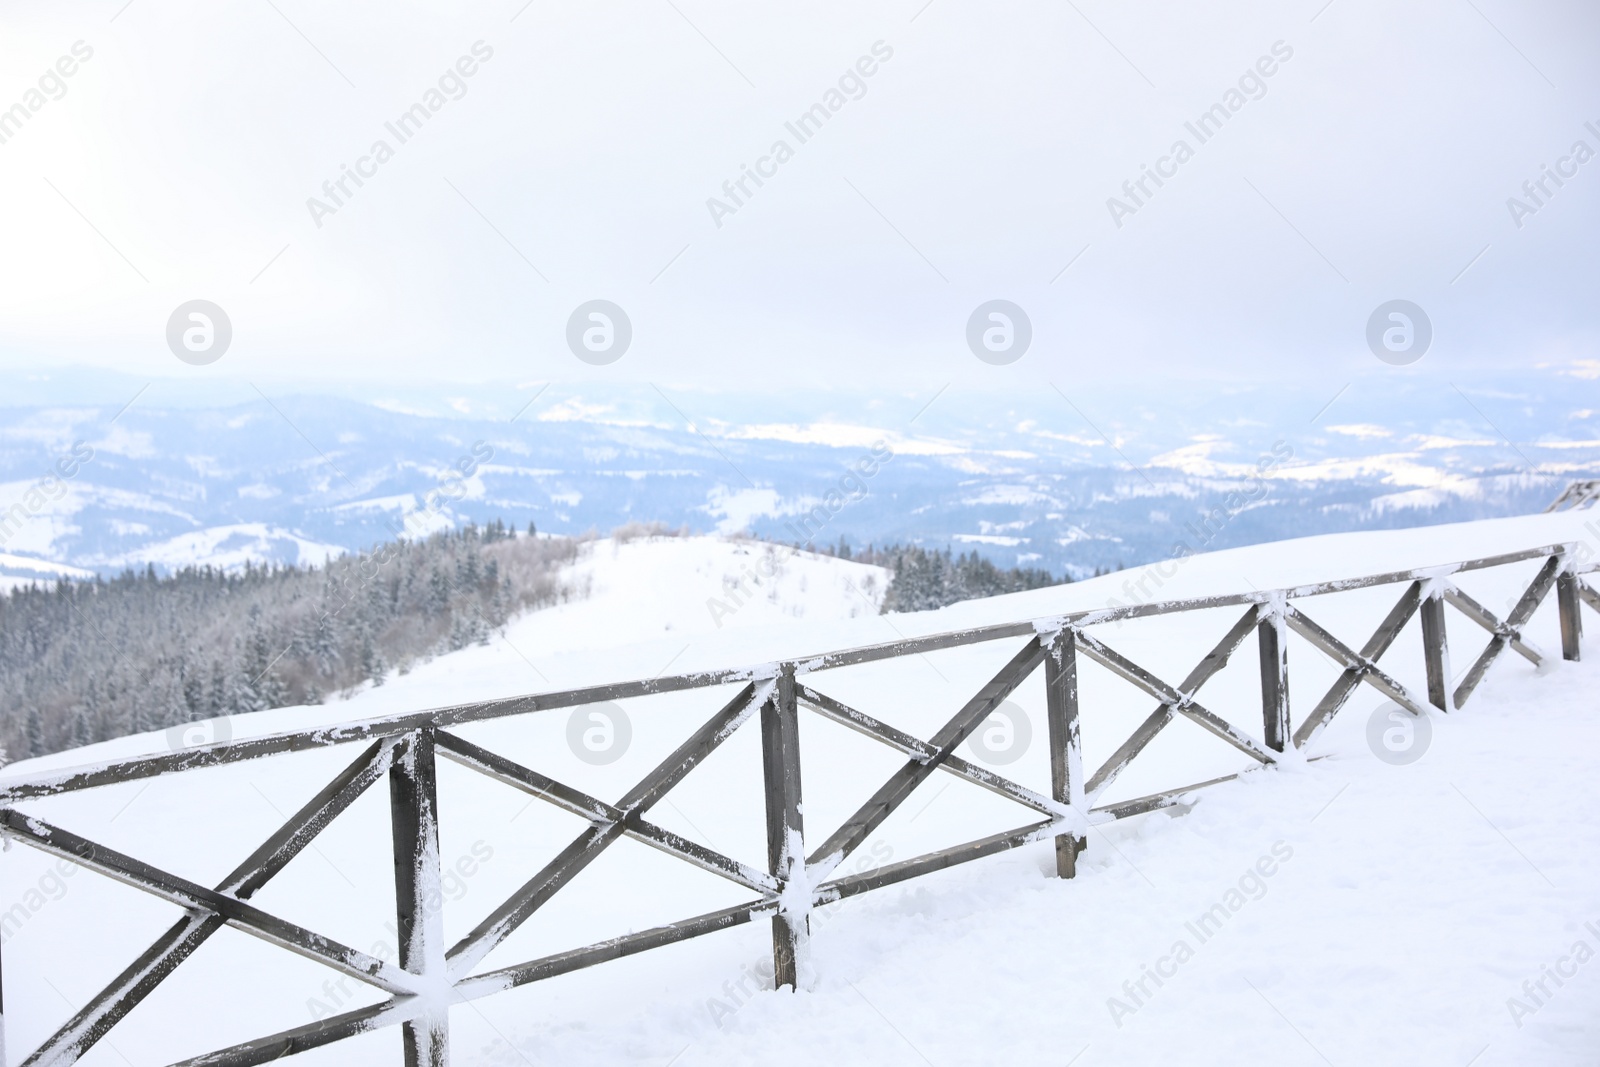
{"x": 921, "y": 579}
{"x": 82, "y": 662}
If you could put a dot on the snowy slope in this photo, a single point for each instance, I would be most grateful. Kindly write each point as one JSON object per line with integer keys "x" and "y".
{"x": 1405, "y": 905}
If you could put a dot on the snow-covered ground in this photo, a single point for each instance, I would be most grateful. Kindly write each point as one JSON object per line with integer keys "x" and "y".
{"x": 1373, "y": 913}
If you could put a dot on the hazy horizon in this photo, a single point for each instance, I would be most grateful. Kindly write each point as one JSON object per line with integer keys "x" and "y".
{"x": 1355, "y": 154}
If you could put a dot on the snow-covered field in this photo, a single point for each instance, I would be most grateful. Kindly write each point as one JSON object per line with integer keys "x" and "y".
{"x": 1374, "y": 913}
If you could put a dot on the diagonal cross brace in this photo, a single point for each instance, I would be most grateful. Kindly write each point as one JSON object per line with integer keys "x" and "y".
{"x": 1210, "y": 665}
{"x": 487, "y": 935}
{"x": 1180, "y": 703}
{"x": 1508, "y": 633}
{"x": 1487, "y": 619}
{"x": 80, "y": 1033}
{"x": 194, "y": 897}
{"x": 916, "y": 748}
{"x": 1589, "y": 596}
{"x": 458, "y": 750}
{"x": 1358, "y": 666}
{"x": 858, "y": 827}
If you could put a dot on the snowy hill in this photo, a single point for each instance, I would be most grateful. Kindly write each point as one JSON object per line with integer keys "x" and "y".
{"x": 1405, "y": 905}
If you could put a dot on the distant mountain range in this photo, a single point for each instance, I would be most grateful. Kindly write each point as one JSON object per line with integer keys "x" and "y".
{"x": 1071, "y": 478}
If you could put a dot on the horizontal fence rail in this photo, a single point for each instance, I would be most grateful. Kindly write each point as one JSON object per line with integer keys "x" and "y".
{"x": 430, "y": 975}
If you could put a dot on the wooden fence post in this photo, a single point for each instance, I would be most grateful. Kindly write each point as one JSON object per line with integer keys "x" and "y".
{"x": 1570, "y": 606}
{"x": 1274, "y": 679}
{"x": 419, "y": 901}
{"x": 1066, "y": 745}
{"x": 786, "y": 853}
{"x": 1436, "y": 648}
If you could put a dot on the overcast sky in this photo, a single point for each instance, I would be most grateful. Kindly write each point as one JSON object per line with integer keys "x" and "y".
{"x": 976, "y": 162}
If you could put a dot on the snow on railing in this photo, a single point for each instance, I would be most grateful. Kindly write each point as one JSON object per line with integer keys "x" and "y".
{"x": 430, "y": 976}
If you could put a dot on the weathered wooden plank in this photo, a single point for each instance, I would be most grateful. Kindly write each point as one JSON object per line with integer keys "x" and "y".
{"x": 906, "y": 745}
{"x": 1181, "y": 703}
{"x": 1338, "y": 693}
{"x": 1570, "y": 608}
{"x": 1537, "y": 590}
{"x": 1209, "y": 665}
{"x": 1101, "y": 780}
{"x": 419, "y": 898}
{"x": 560, "y": 963}
{"x": 586, "y": 848}
{"x": 1480, "y": 667}
{"x": 1274, "y": 655}
{"x": 484, "y": 938}
{"x": 1359, "y": 666}
{"x": 305, "y": 1038}
{"x": 368, "y": 730}
{"x": 461, "y": 751}
{"x": 1590, "y": 597}
{"x": 1219, "y": 727}
{"x": 80, "y": 1033}
{"x": 889, "y": 874}
{"x": 1066, "y": 742}
{"x": 1129, "y": 671}
{"x": 911, "y": 646}
{"x": 786, "y": 853}
{"x": 704, "y": 741}
{"x": 859, "y": 826}
{"x": 1389, "y": 629}
{"x": 1436, "y": 650}
{"x": 1485, "y": 618}
{"x": 1509, "y": 633}
{"x": 194, "y": 897}
{"x": 1124, "y": 809}
{"x": 1213, "y": 662}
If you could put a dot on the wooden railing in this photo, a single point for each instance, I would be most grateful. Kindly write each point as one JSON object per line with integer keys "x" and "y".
{"x": 431, "y": 975}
